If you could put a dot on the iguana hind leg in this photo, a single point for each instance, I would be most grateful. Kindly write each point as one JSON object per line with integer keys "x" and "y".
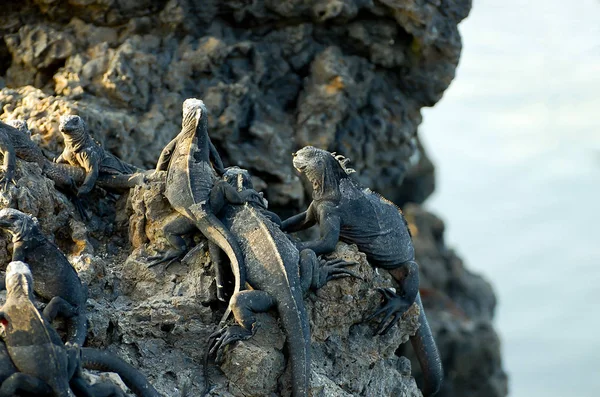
{"x": 244, "y": 305}
{"x": 19, "y": 383}
{"x": 395, "y": 304}
{"x": 77, "y": 321}
{"x": 174, "y": 231}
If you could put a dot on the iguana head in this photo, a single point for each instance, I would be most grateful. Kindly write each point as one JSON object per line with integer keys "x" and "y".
{"x": 324, "y": 170}
{"x": 19, "y": 279}
{"x": 17, "y": 223}
{"x": 194, "y": 115}
{"x": 73, "y": 129}
{"x": 20, "y": 125}
{"x": 239, "y": 178}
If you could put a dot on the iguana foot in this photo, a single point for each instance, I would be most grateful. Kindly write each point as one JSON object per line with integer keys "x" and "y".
{"x": 5, "y": 182}
{"x": 226, "y": 336}
{"x": 170, "y": 256}
{"x": 334, "y": 269}
{"x": 78, "y": 204}
{"x": 394, "y": 306}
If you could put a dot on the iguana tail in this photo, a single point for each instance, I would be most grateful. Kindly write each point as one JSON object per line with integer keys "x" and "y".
{"x": 427, "y": 354}
{"x": 214, "y": 230}
{"x": 295, "y": 323}
{"x": 101, "y": 360}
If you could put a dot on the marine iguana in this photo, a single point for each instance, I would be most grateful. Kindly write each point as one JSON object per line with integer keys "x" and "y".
{"x": 56, "y": 279}
{"x": 347, "y": 212}
{"x": 16, "y": 140}
{"x": 192, "y": 192}
{"x": 83, "y": 151}
{"x": 279, "y": 275}
{"x": 34, "y": 360}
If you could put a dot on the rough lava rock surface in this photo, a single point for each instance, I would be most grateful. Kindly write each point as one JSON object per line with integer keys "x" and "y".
{"x": 347, "y": 75}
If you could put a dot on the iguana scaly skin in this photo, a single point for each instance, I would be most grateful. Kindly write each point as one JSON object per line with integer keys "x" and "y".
{"x": 347, "y": 212}
{"x": 8, "y": 153}
{"x": 56, "y": 279}
{"x": 83, "y": 151}
{"x": 278, "y": 274}
{"x": 190, "y": 183}
{"x": 34, "y": 360}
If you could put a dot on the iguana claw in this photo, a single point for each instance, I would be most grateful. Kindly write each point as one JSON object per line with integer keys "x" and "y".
{"x": 394, "y": 306}
{"x": 5, "y": 182}
{"x": 169, "y": 257}
{"x": 226, "y": 336}
{"x": 335, "y": 268}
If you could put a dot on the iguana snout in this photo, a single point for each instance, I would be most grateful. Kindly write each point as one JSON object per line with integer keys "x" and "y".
{"x": 71, "y": 125}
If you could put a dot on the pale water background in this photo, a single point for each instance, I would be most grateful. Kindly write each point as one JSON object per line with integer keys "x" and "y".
{"x": 516, "y": 140}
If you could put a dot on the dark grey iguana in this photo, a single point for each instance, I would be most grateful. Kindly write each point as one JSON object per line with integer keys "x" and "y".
{"x": 15, "y": 141}
{"x": 347, "y": 212}
{"x": 191, "y": 189}
{"x": 83, "y": 151}
{"x": 279, "y": 275}
{"x": 56, "y": 279}
{"x": 34, "y": 360}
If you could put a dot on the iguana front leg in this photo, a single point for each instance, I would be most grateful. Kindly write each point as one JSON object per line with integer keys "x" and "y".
{"x": 91, "y": 164}
{"x": 61, "y": 159}
{"x": 9, "y": 164}
{"x": 165, "y": 156}
{"x": 216, "y": 158}
{"x": 302, "y": 221}
{"x": 329, "y": 226}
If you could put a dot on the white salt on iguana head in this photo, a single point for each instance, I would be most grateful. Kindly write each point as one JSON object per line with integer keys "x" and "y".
{"x": 195, "y": 107}
{"x": 194, "y": 115}
{"x": 19, "y": 277}
{"x": 20, "y": 125}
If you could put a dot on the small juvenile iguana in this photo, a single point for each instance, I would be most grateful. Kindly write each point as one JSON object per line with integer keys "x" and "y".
{"x": 279, "y": 275}
{"x": 190, "y": 189}
{"x": 83, "y": 151}
{"x": 347, "y": 212}
{"x": 34, "y": 360}
{"x": 56, "y": 279}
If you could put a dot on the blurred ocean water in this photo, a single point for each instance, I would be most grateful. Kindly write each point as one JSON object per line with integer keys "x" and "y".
{"x": 516, "y": 140}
